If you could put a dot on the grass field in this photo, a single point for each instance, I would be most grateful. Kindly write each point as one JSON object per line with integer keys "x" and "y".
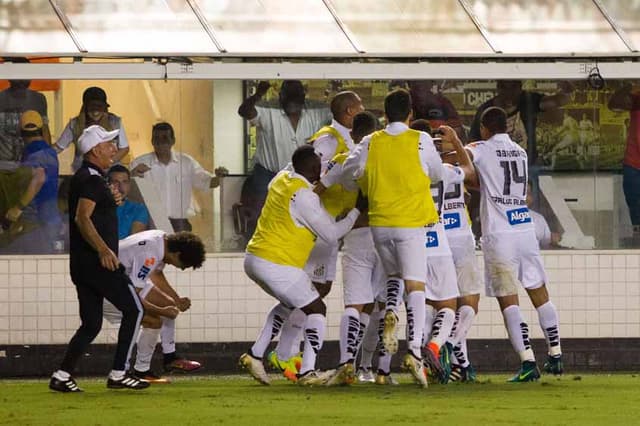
{"x": 236, "y": 400}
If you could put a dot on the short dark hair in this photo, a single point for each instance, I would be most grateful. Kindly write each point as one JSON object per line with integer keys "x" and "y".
{"x": 494, "y": 119}
{"x": 341, "y": 101}
{"x": 364, "y": 123}
{"x": 163, "y": 127}
{"x": 118, "y": 168}
{"x": 190, "y": 247}
{"x": 421, "y": 125}
{"x": 397, "y": 105}
{"x": 302, "y": 158}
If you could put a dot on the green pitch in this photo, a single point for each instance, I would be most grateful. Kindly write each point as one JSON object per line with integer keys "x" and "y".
{"x": 236, "y": 400}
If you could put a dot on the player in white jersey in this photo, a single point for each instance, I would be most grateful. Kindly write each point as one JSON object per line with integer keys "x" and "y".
{"x": 143, "y": 256}
{"x": 509, "y": 242}
{"x": 327, "y": 142}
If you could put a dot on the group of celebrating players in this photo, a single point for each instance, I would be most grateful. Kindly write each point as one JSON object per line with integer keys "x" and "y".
{"x": 395, "y": 197}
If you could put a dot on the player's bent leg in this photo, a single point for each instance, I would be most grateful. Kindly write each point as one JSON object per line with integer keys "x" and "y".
{"x": 548, "y": 318}
{"x": 519, "y": 335}
{"x": 314, "y": 331}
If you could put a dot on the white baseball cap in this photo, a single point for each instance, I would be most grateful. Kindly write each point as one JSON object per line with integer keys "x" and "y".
{"x": 94, "y": 135}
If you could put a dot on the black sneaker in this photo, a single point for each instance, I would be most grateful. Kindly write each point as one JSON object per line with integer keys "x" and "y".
{"x": 149, "y": 376}
{"x": 554, "y": 365}
{"x": 68, "y": 385}
{"x": 127, "y": 382}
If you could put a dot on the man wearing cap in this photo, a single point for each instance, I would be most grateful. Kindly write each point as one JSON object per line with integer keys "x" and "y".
{"x": 95, "y": 269}
{"x": 94, "y": 110}
{"x": 42, "y": 211}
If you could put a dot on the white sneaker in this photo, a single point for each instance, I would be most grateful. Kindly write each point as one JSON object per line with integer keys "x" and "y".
{"x": 344, "y": 375}
{"x": 365, "y": 375}
{"x": 389, "y": 332}
{"x": 315, "y": 377}
{"x": 255, "y": 368}
{"x": 414, "y": 366}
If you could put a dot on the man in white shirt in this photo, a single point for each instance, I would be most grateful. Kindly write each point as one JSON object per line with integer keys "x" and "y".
{"x": 143, "y": 256}
{"x": 509, "y": 244}
{"x": 292, "y": 219}
{"x": 174, "y": 174}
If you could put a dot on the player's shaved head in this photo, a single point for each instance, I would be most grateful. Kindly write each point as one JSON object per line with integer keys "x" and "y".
{"x": 342, "y": 101}
{"x": 306, "y": 162}
{"x": 364, "y": 123}
{"x": 494, "y": 119}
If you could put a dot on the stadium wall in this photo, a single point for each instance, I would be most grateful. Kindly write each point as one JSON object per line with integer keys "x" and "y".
{"x": 597, "y": 294}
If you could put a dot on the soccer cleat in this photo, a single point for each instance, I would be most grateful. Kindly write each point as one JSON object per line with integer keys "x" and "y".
{"x": 255, "y": 368}
{"x": 554, "y": 365}
{"x": 343, "y": 375}
{"x": 446, "y": 352}
{"x": 389, "y": 332}
{"x": 151, "y": 377}
{"x": 127, "y": 381}
{"x": 182, "y": 365}
{"x": 365, "y": 375}
{"x": 68, "y": 385}
{"x": 528, "y": 373}
{"x": 414, "y": 366}
{"x": 432, "y": 361}
{"x": 383, "y": 378}
{"x": 314, "y": 377}
{"x": 462, "y": 374}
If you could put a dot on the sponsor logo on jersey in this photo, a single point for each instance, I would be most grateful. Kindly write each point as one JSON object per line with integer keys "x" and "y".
{"x": 431, "y": 239}
{"x": 451, "y": 220}
{"x": 518, "y": 216}
{"x": 146, "y": 268}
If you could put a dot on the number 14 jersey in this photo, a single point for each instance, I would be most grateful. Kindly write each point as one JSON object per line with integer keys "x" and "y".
{"x": 502, "y": 170}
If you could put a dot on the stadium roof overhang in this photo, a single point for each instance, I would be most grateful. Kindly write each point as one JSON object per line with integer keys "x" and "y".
{"x": 321, "y": 39}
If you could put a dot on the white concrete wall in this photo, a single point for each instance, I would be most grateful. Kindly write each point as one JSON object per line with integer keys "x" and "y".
{"x": 597, "y": 294}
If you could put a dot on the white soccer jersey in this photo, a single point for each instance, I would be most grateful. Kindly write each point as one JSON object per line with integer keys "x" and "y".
{"x": 454, "y": 210}
{"x": 502, "y": 169}
{"x": 141, "y": 254}
{"x": 436, "y": 240}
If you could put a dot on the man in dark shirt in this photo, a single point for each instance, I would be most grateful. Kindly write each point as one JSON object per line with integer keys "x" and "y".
{"x": 95, "y": 269}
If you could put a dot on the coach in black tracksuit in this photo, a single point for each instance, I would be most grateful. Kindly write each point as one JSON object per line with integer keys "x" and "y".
{"x": 95, "y": 269}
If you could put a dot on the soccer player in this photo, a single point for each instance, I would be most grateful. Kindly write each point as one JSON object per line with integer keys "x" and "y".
{"x": 329, "y": 141}
{"x": 291, "y": 220}
{"x": 143, "y": 256}
{"x": 395, "y": 168}
{"x": 509, "y": 242}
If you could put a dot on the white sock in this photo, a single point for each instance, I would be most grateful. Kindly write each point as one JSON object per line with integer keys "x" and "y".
{"x": 548, "y": 317}
{"x": 442, "y": 326}
{"x": 168, "y": 335}
{"x": 289, "y": 342}
{"x": 147, "y": 340}
{"x": 314, "y": 329}
{"x": 365, "y": 318}
{"x": 465, "y": 317}
{"x": 349, "y": 330}
{"x": 518, "y": 332}
{"x": 370, "y": 339}
{"x": 430, "y": 315}
{"x": 415, "y": 321}
{"x": 61, "y": 375}
{"x": 384, "y": 357}
{"x": 272, "y": 325}
{"x": 460, "y": 353}
{"x": 395, "y": 289}
{"x": 116, "y": 374}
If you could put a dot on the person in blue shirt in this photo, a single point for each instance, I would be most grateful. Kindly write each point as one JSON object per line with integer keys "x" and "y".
{"x": 132, "y": 217}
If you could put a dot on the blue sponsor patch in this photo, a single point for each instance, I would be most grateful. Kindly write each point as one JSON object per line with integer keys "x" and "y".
{"x": 451, "y": 220}
{"x": 431, "y": 239}
{"x": 518, "y": 216}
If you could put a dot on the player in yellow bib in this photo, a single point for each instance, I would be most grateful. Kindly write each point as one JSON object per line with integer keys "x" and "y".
{"x": 395, "y": 168}
{"x": 290, "y": 222}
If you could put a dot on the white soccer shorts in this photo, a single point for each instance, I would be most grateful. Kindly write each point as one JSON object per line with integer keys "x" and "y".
{"x": 321, "y": 265}
{"x": 362, "y": 272}
{"x": 113, "y": 315}
{"x": 510, "y": 259}
{"x": 463, "y": 249}
{"x": 402, "y": 251}
{"x": 290, "y": 285}
{"x": 441, "y": 278}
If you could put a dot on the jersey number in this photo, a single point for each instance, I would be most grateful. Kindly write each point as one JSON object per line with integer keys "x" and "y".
{"x": 457, "y": 191}
{"x": 438, "y": 198}
{"x": 513, "y": 177}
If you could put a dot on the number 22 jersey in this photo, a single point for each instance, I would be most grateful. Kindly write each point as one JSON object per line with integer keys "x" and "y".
{"x": 502, "y": 169}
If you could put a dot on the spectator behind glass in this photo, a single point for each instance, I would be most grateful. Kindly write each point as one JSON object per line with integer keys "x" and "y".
{"x": 522, "y": 108}
{"x": 431, "y": 105}
{"x": 132, "y": 217}
{"x": 15, "y": 100}
{"x": 627, "y": 98}
{"x": 546, "y": 238}
{"x": 281, "y": 127}
{"x": 94, "y": 110}
{"x": 174, "y": 174}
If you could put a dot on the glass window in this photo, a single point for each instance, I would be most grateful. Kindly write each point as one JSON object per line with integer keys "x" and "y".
{"x": 527, "y": 27}
{"x": 411, "y": 27}
{"x": 626, "y": 14}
